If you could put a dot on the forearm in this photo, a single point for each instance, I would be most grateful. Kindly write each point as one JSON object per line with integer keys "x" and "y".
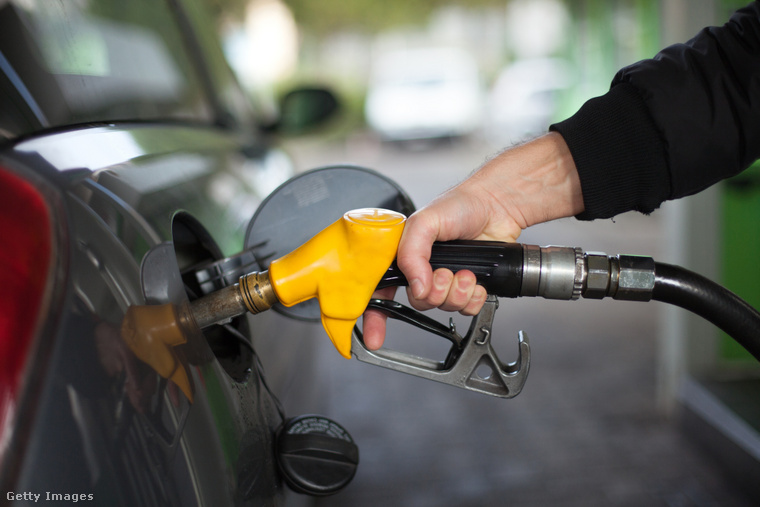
{"x": 534, "y": 182}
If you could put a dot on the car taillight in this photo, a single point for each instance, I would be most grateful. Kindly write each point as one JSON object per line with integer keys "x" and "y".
{"x": 26, "y": 234}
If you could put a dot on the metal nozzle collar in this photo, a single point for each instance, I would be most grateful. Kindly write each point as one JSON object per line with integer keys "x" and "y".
{"x": 257, "y": 291}
{"x": 553, "y": 272}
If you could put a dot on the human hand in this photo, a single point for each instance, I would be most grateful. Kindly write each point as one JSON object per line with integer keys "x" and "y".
{"x": 529, "y": 184}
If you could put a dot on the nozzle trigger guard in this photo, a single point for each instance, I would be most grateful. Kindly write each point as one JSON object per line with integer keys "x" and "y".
{"x": 471, "y": 364}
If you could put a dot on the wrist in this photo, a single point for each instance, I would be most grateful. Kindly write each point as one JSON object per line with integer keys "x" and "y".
{"x": 535, "y": 182}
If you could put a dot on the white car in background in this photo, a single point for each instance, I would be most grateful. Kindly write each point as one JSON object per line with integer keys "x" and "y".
{"x": 423, "y": 94}
{"x": 524, "y": 98}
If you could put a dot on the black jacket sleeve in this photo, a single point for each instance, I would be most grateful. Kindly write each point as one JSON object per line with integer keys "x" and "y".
{"x": 673, "y": 125}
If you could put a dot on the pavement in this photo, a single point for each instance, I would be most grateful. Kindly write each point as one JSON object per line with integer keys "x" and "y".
{"x": 587, "y": 429}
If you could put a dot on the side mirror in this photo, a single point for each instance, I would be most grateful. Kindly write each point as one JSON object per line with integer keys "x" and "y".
{"x": 304, "y": 108}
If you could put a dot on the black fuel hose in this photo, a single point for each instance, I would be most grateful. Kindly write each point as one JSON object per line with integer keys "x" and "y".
{"x": 691, "y": 291}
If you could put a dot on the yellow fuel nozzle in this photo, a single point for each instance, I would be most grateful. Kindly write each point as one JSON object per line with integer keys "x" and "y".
{"x": 340, "y": 266}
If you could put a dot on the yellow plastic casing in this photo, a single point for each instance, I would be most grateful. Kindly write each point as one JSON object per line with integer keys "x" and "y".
{"x": 340, "y": 266}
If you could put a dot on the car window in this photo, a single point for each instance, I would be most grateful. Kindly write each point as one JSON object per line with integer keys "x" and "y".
{"x": 208, "y": 29}
{"x": 79, "y": 61}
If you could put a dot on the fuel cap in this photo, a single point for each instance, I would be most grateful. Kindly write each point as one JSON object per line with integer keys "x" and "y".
{"x": 316, "y": 455}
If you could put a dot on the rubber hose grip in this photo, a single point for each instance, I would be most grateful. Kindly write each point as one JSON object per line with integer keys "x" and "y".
{"x": 497, "y": 266}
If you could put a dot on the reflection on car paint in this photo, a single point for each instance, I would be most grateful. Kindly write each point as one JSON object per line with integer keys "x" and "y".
{"x": 152, "y": 332}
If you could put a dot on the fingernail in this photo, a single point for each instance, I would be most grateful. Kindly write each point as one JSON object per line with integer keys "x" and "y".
{"x": 417, "y": 288}
{"x": 440, "y": 280}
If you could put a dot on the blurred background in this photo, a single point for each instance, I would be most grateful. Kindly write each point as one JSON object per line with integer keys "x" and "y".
{"x": 627, "y": 403}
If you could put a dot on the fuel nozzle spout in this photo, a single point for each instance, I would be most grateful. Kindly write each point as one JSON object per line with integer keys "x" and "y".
{"x": 253, "y": 293}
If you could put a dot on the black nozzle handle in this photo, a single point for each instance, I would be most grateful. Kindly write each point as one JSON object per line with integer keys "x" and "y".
{"x": 498, "y": 266}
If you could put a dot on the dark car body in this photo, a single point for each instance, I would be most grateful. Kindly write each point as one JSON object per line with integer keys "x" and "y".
{"x": 131, "y": 158}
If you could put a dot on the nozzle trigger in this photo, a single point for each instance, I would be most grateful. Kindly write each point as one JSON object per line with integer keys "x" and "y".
{"x": 471, "y": 364}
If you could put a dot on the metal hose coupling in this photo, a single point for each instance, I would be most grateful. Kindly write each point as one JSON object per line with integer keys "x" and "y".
{"x": 555, "y": 272}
